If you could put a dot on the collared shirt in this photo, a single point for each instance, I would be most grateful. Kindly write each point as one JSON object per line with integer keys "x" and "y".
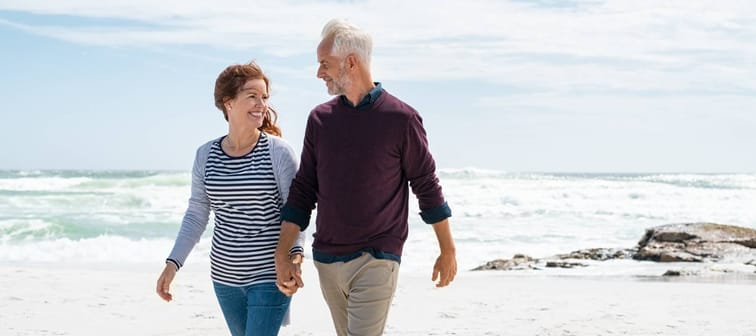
{"x": 366, "y": 101}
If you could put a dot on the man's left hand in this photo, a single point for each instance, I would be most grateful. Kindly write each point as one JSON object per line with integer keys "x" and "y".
{"x": 445, "y": 269}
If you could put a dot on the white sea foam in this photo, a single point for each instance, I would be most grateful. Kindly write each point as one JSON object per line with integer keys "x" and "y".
{"x": 134, "y": 216}
{"x": 101, "y": 249}
{"x": 41, "y": 183}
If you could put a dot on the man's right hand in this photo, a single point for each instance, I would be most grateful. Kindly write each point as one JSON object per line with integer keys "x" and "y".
{"x": 288, "y": 273}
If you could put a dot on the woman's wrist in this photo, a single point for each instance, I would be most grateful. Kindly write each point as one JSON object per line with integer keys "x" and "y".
{"x": 296, "y": 257}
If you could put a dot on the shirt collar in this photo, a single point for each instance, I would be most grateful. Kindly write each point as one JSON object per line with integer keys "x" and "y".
{"x": 368, "y": 100}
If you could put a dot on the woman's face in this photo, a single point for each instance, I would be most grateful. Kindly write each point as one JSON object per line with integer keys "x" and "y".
{"x": 249, "y": 106}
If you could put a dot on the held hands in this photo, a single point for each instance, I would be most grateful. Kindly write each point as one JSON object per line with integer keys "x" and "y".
{"x": 164, "y": 282}
{"x": 289, "y": 273}
{"x": 445, "y": 269}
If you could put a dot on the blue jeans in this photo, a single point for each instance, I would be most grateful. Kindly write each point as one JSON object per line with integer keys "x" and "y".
{"x": 255, "y": 310}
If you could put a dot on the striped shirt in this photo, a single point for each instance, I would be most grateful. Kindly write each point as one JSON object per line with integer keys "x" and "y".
{"x": 244, "y": 196}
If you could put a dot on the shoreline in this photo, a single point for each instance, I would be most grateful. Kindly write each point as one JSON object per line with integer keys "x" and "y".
{"x": 81, "y": 299}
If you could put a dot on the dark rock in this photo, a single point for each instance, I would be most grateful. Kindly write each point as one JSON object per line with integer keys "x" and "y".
{"x": 518, "y": 262}
{"x": 564, "y": 264}
{"x": 695, "y": 242}
{"x": 691, "y": 242}
{"x": 679, "y": 257}
{"x": 600, "y": 254}
{"x": 675, "y": 273}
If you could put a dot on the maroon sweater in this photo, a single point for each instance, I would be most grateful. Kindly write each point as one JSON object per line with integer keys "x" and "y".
{"x": 356, "y": 164}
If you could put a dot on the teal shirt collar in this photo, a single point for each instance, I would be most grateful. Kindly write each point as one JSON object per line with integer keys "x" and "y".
{"x": 368, "y": 100}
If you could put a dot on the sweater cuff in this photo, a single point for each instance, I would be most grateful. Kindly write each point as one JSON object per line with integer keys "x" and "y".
{"x": 174, "y": 262}
{"x": 435, "y": 215}
{"x": 296, "y": 249}
{"x": 296, "y": 216}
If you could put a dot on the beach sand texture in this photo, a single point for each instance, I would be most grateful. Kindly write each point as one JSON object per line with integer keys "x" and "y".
{"x": 44, "y": 299}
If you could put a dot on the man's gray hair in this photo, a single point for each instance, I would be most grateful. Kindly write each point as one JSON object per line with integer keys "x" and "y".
{"x": 348, "y": 38}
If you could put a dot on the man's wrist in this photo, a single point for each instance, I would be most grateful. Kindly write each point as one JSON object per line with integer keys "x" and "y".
{"x": 449, "y": 250}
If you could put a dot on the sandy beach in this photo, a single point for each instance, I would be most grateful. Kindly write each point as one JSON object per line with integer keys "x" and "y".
{"x": 45, "y": 299}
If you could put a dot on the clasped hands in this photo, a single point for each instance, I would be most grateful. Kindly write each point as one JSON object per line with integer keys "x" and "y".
{"x": 289, "y": 273}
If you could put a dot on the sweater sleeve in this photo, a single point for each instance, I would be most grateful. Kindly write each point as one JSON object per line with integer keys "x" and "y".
{"x": 197, "y": 213}
{"x": 420, "y": 169}
{"x": 303, "y": 192}
{"x": 285, "y": 167}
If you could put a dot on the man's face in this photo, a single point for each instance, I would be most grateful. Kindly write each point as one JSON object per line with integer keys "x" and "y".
{"x": 331, "y": 69}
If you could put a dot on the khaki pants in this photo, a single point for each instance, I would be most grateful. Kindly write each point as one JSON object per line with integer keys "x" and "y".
{"x": 359, "y": 293}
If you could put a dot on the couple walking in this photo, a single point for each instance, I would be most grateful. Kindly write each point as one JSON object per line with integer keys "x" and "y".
{"x": 362, "y": 153}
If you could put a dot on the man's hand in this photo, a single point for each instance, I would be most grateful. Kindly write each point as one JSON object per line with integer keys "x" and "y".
{"x": 288, "y": 270}
{"x": 445, "y": 269}
{"x": 289, "y": 273}
{"x": 446, "y": 264}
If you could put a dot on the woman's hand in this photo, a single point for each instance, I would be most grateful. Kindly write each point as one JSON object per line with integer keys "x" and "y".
{"x": 164, "y": 282}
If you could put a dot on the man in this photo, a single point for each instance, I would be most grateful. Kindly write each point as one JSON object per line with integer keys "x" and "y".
{"x": 360, "y": 151}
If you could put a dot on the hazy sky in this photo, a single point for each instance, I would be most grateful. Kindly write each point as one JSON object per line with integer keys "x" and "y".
{"x": 556, "y": 86}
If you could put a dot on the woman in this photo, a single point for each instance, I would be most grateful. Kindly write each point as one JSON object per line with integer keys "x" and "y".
{"x": 243, "y": 177}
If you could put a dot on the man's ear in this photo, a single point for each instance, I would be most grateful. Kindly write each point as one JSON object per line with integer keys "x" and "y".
{"x": 351, "y": 61}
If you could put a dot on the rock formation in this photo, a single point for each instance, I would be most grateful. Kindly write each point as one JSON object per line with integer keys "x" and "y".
{"x": 697, "y": 242}
{"x": 690, "y": 242}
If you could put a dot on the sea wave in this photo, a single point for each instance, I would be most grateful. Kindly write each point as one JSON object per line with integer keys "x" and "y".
{"x": 48, "y": 215}
{"x": 103, "y": 248}
{"x": 87, "y": 180}
{"x": 700, "y": 181}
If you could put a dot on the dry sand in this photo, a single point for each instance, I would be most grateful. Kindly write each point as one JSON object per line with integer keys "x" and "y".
{"x": 47, "y": 299}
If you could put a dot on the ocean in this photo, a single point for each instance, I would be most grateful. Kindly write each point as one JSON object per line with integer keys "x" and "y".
{"x": 124, "y": 217}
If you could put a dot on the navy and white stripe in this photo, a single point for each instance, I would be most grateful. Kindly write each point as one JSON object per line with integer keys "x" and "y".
{"x": 244, "y": 196}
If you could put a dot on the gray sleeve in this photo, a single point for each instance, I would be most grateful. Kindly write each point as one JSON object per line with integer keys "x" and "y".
{"x": 285, "y": 165}
{"x": 197, "y": 213}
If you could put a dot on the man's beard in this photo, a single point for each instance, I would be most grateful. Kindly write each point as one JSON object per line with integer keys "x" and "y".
{"x": 340, "y": 83}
